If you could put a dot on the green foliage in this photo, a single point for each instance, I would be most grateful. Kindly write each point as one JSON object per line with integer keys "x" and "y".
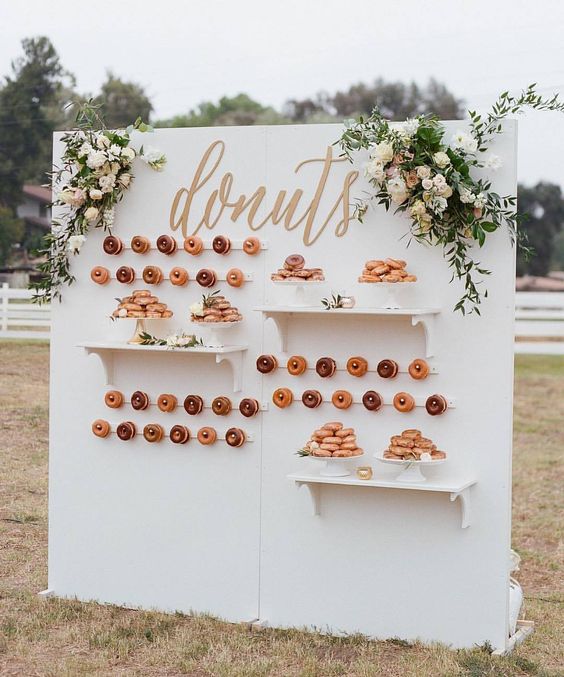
{"x": 122, "y": 102}
{"x": 11, "y": 231}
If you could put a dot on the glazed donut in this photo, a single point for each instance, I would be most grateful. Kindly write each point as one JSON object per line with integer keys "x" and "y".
{"x": 113, "y": 399}
{"x": 140, "y": 244}
{"x": 207, "y": 435}
{"x": 126, "y": 430}
{"x": 312, "y": 398}
{"x": 101, "y": 428}
{"x": 140, "y": 400}
{"x": 325, "y": 367}
{"x": 294, "y": 262}
{"x": 178, "y": 276}
{"x": 266, "y": 364}
{"x": 205, "y": 277}
{"x": 221, "y": 244}
{"x": 235, "y": 437}
{"x": 282, "y": 397}
{"x": 221, "y": 406}
{"x": 372, "y": 400}
{"x": 179, "y": 434}
{"x": 193, "y": 404}
{"x": 152, "y": 275}
{"x": 436, "y": 405}
{"x": 125, "y": 275}
{"x": 235, "y": 277}
{"x": 166, "y": 244}
{"x": 251, "y": 246}
{"x": 357, "y": 366}
{"x": 418, "y": 369}
{"x": 342, "y": 399}
{"x": 99, "y": 275}
{"x": 194, "y": 245}
{"x": 387, "y": 368}
{"x": 248, "y": 406}
{"x": 403, "y": 402}
{"x": 153, "y": 432}
{"x": 296, "y": 365}
{"x": 167, "y": 402}
{"x": 112, "y": 245}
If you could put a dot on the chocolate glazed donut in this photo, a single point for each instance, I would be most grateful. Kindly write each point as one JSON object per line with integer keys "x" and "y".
{"x": 126, "y": 430}
{"x": 325, "y": 367}
{"x": 193, "y": 404}
{"x": 179, "y": 434}
{"x": 266, "y": 363}
{"x": 221, "y": 406}
{"x": 235, "y": 437}
{"x": 125, "y": 275}
{"x": 221, "y": 244}
{"x": 248, "y": 406}
{"x": 312, "y": 398}
{"x": 206, "y": 277}
{"x": 372, "y": 400}
{"x": 140, "y": 400}
{"x": 436, "y": 405}
{"x": 112, "y": 245}
{"x": 166, "y": 244}
{"x": 387, "y": 368}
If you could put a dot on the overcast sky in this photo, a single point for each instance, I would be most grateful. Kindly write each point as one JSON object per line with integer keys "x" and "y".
{"x": 183, "y": 52}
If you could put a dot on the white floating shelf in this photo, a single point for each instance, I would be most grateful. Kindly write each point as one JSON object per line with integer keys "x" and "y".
{"x": 455, "y": 488}
{"x": 107, "y": 350}
{"x": 281, "y": 314}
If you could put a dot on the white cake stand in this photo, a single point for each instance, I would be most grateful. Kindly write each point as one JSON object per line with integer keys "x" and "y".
{"x": 299, "y": 297}
{"x": 140, "y": 327}
{"x": 410, "y": 471}
{"x": 215, "y": 332}
{"x": 335, "y": 466}
{"x": 393, "y": 291}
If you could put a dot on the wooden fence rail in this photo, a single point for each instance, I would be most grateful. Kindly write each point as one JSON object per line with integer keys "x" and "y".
{"x": 20, "y": 318}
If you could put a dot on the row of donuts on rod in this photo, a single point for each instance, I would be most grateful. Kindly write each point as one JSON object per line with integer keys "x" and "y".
{"x": 179, "y": 434}
{"x": 166, "y": 244}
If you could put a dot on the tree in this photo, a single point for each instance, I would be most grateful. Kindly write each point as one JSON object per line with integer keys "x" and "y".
{"x": 543, "y": 209}
{"x": 123, "y": 102}
{"x": 11, "y": 232}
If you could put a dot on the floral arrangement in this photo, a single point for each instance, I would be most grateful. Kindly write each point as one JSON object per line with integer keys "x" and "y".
{"x": 173, "y": 341}
{"x": 96, "y": 171}
{"x": 197, "y": 308}
{"x": 413, "y": 168}
{"x": 333, "y": 303}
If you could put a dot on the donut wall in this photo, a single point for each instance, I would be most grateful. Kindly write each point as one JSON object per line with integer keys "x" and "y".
{"x": 346, "y": 469}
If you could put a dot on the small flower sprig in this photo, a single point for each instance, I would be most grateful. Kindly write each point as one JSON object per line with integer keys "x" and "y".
{"x": 95, "y": 173}
{"x": 173, "y": 341}
{"x": 303, "y": 452}
{"x": 197, "y": 308}
{"x": 336, "y": 301}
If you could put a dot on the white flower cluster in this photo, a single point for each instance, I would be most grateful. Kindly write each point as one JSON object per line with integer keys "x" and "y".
{"x": 197, "y": 309}
{"x": 179, "y": 340}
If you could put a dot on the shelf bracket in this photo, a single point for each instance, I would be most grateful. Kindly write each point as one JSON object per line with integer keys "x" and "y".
{"x": 107, "y": 360}
{"x": 315, "y": 495}
{"x": 464, "y": 497}
{"x": 428, "y": 322}
{"x": 281, "y": 322}
{"x": 236, "y": 362}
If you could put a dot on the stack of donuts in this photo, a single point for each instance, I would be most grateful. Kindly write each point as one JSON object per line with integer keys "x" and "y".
{"x": 386, "y": 270}
{"x": 333, "y": 440}
{"x": 410, "y": 445}
{"x": 141, "y": 304}
{"x": 294, "y": 269}
{"x": 217, "y": 309}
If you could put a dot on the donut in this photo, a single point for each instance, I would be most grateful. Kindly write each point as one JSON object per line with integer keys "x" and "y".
{"x": 113, "y": 399}
{"x": 153, "y": 432}
{"x": 126, "y": 430}
{"x": 193, "y": 245}
{"x": 207, "y": 435}
{"x": 235, "y": 277}
{"x": 112, "y": 245}
{"x": 125, "y": 275}
{"x": 193, "y": 404}
{"x": 418, "y": 369}
{"x": 296, "y": 365}
{"x": 372, "y": 400}
{"x": 357, "y": 366}
{"x": 282, "y": 397}
{"x": 325, "y": 367}
{"x": 235, "y": 437}
{"x": 99, "y": 275}
{"x": 152, "y": 275}
{"x": 166, "y": 244}
{"x": 205, "y": 277}
{"x": 312, "y": 398}
{"x": 403, "y": 402}
{"x": 436, "y": 405}
{"x": 387, "y": 368}
{"x": 221, "y": 406}
{"x": 167, "y": 402}
{"x": 251, "y": 246}
{"x": 179, "y": 434}
{"x": 101, "y": 428}
{"x": 221, "y": 244}
{"x": 294, "y": 262}
{"x": 140, "y": 400}
{"x": 178, "y": 276}
{"x": 248, "y": 406}
{"x": 342, "y": 399}
{"x": 140, "y": 244}
{"x": 266, "y": 363}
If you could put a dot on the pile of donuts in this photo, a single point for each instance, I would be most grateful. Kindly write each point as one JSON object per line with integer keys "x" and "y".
{"x": 167, "y": 245}
{"x": 141, "y": 304}
{"x": 410, "y": 445}
{"x": 193, "y": 404}
{"x": 179, "y": 434}
{"x": 294, "y": 269}
{"x": 177, "y": 276}
{"x": 386, "y": 270}
{"x": 332, "y": 440}
{"x": 217, "y": 309}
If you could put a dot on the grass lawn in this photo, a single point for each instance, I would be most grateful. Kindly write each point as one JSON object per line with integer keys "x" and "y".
{"x": 67, "y": 638}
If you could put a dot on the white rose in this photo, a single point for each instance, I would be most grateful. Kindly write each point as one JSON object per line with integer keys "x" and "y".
{"x": 197, "y": 309}
{"x": 423, "y": 172}
{"x": 410, "y": 126}
{"x": 122, "y": 312}
{"x": 465, "y": 142}
{"x": 427, "y": 184}
{"x": 384, "y": 152}
{"x": 114, "y": 150}
{"x": 441, "y": 159}
{"x": 85, "y": 149}
{"x": 446, "y": 191}
{"x": 439, "y": 204}
{"x": 397, "y": 189}
{"x": 96, "y": 159}
{"x": 91, "y": 214}
{"x": 107, "y": 183}
{"x": 418, "y": 209}
{"x": 374, "y": 170}
{"x": 439, "y": 180}
{"x": 75, "y": 242}
{"x": 102, "y": 141}
{"x": 96, "y": 194}
{"x": 128, "y": 153}
{"x": 154, "y": 158}
{"x": 466, "y": 196}
{"x": 172, "y": 340}
{"x": 493, "y": 162}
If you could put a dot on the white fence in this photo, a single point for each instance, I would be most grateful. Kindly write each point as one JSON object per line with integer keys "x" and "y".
{"x": 20, "y": 318}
